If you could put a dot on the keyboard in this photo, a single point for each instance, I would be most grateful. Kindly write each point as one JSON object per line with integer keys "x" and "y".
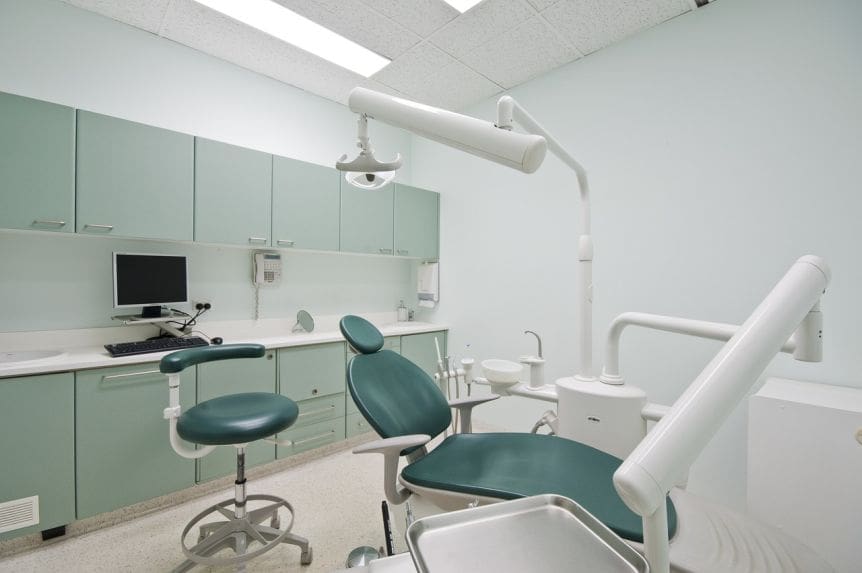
{"x": 156, "y": 345}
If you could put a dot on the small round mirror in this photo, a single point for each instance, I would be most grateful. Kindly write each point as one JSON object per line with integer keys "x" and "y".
{"x": 304, "y": 321}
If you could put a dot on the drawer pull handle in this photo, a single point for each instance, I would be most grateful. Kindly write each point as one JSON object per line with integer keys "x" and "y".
{"x": 286, "y": 242}
{"x": 385, "y": 251}
{"x": 313, "y": 438}
{"x": 403, "y": 252}
{"x": 257, "y": 239}
{"x": 49, "y": 222}
{"x": 99, "y": 227}
{"x": 318, "y": 411}
{"x": 111, "y": 377}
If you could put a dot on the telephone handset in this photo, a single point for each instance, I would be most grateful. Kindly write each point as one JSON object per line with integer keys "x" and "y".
{"x": 267, "y": 268}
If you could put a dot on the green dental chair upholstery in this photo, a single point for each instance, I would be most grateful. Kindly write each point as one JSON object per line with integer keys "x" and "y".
{"x": 232, "y": 420}
{"x": 407, "y": 409}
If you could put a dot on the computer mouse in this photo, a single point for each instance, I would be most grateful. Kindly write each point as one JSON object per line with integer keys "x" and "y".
{"x": 216, "y": 340}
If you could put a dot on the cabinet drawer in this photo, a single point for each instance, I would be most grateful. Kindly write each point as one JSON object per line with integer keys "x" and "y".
{"x": 311, "y": 436}
{"x": 123, "y": 454}
{"x": 311, "y": 371}
{"x": 355, "y": 424}
{"x": 320, "y": 409}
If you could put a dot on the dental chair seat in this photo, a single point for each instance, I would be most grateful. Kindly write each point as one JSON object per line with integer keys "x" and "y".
{"x": 512, "y": 465}
{"x": 237, "y": 418}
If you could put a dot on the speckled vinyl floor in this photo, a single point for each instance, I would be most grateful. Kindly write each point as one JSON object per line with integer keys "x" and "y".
{"x": 336, "y": 499}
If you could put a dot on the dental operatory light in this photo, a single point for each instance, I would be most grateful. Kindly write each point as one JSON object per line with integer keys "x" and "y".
{"x": 287, "y": 26}
{"x": 462, "y": 5}
{"x": 366, "y": 172}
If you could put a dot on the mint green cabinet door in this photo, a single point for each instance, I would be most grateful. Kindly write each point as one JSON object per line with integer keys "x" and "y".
{"x": 416, "y": 222}
{"x": 421, "y": 350}
{"x": 133, "y": 180}
{"x": 305, "y": 204}
{"x": 122, "y": 447}
{"x": 38, "y": 448}
{"x": 311, "y": 371}
{"x": 233, "y": 191}
{"x": 366, "y": 219}
{"x": 234, "y": 377}
{"x": 37, "y": 165}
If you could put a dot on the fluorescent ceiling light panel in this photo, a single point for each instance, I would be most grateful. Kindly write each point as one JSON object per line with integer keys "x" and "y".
{"x": 279, "y": 22}
{"x": 462, "y": 5}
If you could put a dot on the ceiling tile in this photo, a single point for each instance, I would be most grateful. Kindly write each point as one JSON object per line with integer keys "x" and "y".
{"x": 541, "y": 4}
{"x": 520, "y": 54}
{"x": 144, "y": 14}
{"x": 410, "y": 72}
{"x": 456, "y": 86}
{"x": 198, "y": 27}
{"x": 355, "y": 21}
{"x": 593, "y": 24}
{"x": 421, "y": 16}
{"x": 475, "y": 27}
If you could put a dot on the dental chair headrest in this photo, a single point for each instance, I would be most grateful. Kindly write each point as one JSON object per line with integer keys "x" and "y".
{"x": 361, "y": 334}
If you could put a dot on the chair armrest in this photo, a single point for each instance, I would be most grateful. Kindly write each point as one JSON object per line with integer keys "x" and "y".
{"x": 391, "y": 449}
{"x": 465, "y": 410}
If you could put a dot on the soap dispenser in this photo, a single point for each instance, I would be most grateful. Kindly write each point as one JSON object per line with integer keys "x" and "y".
{"x": 402, "y": 312}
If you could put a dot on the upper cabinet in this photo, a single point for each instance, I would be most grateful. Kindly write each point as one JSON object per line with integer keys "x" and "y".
{"x": 366, "y": 219}
{"x": 37, "y": 163}
{"x": 416, "y": 222}
{"x": 133, "y": 180}
{"x": 233, "y": 194}
{"x": 305, "y": 204}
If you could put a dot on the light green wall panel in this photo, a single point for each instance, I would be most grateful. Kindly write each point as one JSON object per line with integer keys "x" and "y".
{"x": 232, "y": 194}
{"x": 37, "y": 165}
{"x": 311, "y": 371}
{"x": 305, "y": 205}
{"x": 366, "y": 219}
{"x": 421, "y": 350}
{"x": 234, "y": 377}
{"x": 133, "y": 180}
{"x": 123, "y": 452}
{"x": 416, "y": 222}
{"x": 38, "y": 446}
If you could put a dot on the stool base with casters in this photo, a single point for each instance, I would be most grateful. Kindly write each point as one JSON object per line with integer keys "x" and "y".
{"x": 252, "y": 524}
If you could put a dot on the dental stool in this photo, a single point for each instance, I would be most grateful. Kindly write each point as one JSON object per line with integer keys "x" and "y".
{"x": 232, "y": 420}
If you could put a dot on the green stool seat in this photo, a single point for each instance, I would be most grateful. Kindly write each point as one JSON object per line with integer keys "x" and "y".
{"x": 514, "y": 465}
{"x": 237, "y": 418}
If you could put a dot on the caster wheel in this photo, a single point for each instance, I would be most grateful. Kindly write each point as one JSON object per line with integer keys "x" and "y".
{"x": 306, "y": 557}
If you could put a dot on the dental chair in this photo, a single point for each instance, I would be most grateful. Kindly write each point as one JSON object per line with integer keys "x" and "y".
{"x": 407, "y": 409}
{"x": 232, "y": 420}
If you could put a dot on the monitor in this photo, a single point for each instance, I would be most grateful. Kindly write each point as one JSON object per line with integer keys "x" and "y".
{"x": 150, "y": 281}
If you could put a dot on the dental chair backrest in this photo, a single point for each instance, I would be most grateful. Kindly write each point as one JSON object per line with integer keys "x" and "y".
{"x": 395, "y": 396}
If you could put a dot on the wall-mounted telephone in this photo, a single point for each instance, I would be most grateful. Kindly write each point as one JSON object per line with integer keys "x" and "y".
{"x": 267, "y": 268}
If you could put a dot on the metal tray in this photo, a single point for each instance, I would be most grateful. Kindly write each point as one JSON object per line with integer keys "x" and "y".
{"x": 539, "y": 533}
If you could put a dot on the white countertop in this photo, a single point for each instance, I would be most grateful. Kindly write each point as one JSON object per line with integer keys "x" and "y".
{"x": 83, "y": 349}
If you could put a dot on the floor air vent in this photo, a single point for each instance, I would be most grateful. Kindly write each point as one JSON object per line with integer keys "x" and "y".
{"x": 19, "y": 513}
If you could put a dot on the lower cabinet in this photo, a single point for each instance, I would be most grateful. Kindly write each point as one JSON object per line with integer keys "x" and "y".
{"x": 121, "y": 437}
{"x": 311, "y": 436}
{"x": 38, "y": 453}
{"x": 355, "y": 424}
{"x": 233, "y": 377}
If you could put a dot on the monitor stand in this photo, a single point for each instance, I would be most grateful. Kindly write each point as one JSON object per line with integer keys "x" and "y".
{"x": 159, "y": 320}
{"x": 151, "y": 312}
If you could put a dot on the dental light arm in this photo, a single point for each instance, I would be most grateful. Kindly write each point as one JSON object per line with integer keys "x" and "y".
{"x": 806, "y": 343}
{"x": 498, "y": 143}
{"x": 665, "y": 454}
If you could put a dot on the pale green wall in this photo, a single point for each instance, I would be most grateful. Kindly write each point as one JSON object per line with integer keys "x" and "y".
{"x": 59, "y": 282}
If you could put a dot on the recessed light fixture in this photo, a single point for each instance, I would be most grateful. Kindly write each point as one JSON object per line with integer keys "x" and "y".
{"x": 462, "y": 5}
{"x": 279, "y": 22}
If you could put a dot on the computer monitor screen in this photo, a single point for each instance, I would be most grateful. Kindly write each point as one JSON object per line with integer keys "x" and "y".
{"x": 150, "y": 281}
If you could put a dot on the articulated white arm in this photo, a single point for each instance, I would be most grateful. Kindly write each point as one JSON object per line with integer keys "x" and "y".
{"x": 509, "y": 110}
{"x": 391, "y": 449}
{"x": 665, "y": 454}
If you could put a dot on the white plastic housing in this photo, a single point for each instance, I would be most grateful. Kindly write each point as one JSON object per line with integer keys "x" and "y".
{"x": 482, "y": 138}
{"x": 605, "y": 417}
